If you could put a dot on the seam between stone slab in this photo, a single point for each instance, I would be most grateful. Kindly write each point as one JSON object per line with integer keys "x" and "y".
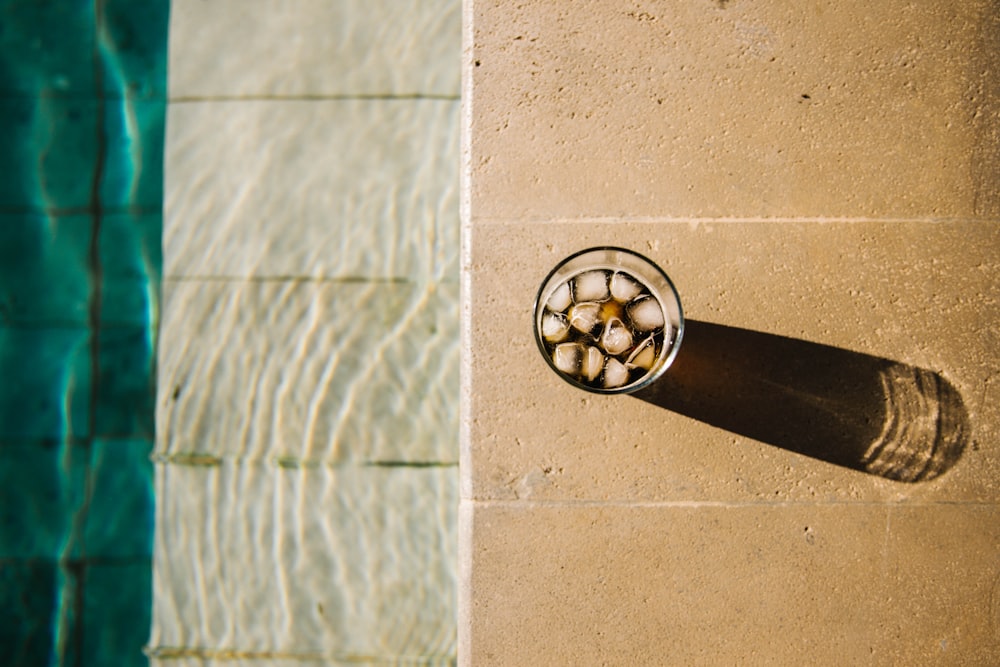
{"x": 466, "y": 546}
{"x": 714, "y": 504}
{"x": 465, "y": 254}
{"x": 403, "y": 97}
{"x": 476, "y": 220}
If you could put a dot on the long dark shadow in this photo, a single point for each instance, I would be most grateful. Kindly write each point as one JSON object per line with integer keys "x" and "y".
{"x": 866, "y": 413}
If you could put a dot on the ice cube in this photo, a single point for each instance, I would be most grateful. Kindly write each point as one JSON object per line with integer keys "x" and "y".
{"x": 615, "y": 373}
{"x": 645, "y": 314}
{"x": 624, "y": 288}
{"x": 560, "y": 298}
{"x": 585, "y": 316}
{"x": 568, "y": 357}
{"x": 555, "y": 327}
{"x": 616, "y": 337}
{"x": 591, "y": 286}
{"x": 593, "y": 362}
{"x": 643, "y": 355}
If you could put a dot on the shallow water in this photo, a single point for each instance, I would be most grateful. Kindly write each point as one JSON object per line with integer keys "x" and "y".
{"x": 82, "y": 104}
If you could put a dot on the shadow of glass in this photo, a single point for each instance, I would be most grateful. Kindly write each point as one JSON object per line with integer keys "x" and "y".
{"x": 866, "y": 413}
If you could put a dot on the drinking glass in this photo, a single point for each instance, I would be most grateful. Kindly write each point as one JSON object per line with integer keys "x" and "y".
{"x": 608, "y": 320}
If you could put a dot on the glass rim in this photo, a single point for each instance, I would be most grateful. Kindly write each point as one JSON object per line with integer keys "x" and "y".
{"x": 647, "y": 379}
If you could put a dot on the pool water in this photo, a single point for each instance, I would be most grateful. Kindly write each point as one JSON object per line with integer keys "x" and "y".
{"x": 82, "y": 106}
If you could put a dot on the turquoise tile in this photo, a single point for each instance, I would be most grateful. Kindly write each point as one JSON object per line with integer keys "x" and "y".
{"x": 48, "y": 154}
{"x": 44, "y": 488}
{"x": 59, "y": 499}
{"x": 20, "y": 187}
{"x": 47, "y": 383}
{"x": 131, "y": 259}
{"x": 125, "y": 403}
{"x": 133, "y": 163}
{"x": 46, "y": 47}
{"x": 38, "y": 602}
{"x": 117, "y": 614}
{"x": 134, "y": 52}
{"x": 120, "y": 512}
{"x": 44, "y": 269}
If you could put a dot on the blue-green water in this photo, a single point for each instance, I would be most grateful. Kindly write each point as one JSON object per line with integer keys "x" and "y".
{"x": 82, "y": 107}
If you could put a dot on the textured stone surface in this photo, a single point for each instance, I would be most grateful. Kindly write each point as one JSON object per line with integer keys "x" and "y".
{"x": 733, "y": 109}
{"x": 330, "y": 562}
{"x": 920, "y": 294}
{"x": 307, "y": 400}
{"x": 743, "y": 584}
{"x": 814, "y": 480}
{"x": 314, "y": 48}
{"x": 317, "y": 372}
{"x": 312, "y": 188}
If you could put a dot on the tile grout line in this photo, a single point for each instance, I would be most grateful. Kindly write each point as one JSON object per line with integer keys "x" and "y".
{"x": 77, "y": 96}
{"x": 77, "y": 570}
{"x": 318, "y": 280}
{"x": 67, "y": 325}
{"x": 80, "y": 562}
{"x": 333, "y": 97}
{"x": 80, "y": 211}
{"x": 164, "y": 653}
{"x": 96, "y": 273}
{"x": 76, "y": 440}
{"x": 392, "y": 280}
{"x": 96, "y": 213}
{"x": 208, "y": 460}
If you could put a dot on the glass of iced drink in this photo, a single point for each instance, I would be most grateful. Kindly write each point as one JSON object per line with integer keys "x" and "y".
{"x": 608, "y": 320}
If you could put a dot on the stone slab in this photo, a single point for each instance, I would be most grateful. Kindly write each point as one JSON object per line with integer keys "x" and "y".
{"x": 329, "y": 561}
{"x": 314, "y": 48}
{"x": 709, "y": 584}
{"x": 785, "y": 319}
{"x": 309, "y": 372}
{"x": 342, "y": 188}
{"x": 733, "y": 109}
